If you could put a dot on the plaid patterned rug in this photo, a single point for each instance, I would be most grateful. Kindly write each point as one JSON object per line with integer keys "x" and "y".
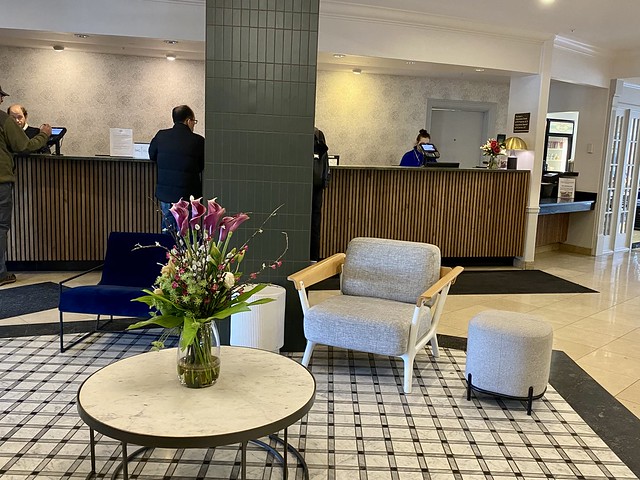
{"x": 361, "y": 426}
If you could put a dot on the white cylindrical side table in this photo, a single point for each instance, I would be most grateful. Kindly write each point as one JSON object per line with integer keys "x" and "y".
{"x": 263, "y": 326}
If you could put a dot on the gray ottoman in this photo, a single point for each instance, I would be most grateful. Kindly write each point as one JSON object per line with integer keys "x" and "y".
{"x": 508, "y": 355}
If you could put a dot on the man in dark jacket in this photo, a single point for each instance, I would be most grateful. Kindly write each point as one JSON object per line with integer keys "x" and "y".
{"x": 320, "y": 182}
{"x": 19, "y": 113}
{"x": 12, "y": 140}
{"x": 179, "y": 154}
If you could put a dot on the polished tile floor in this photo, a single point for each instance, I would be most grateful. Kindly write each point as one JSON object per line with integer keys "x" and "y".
{"x": 600, "y": 331}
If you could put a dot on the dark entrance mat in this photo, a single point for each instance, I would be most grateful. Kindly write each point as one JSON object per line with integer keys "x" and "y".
{"x": 484, "y": 282}
{"x": 501, "y": 282}
{"x": 28, "y": 299}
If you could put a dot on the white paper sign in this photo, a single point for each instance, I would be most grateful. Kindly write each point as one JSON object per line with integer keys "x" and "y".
{"x": 566, "y": 188}
{"x": 121, "y": 142}
{"x": 141, "y": 150}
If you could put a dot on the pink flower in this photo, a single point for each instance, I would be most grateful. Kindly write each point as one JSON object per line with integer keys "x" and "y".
{"x": 231, "y": 224}
{"x": 252, "y": 276}
{"x": 213, "y": 216}
{"x": 197, "y": 211}
{"x": 181, "y": 213}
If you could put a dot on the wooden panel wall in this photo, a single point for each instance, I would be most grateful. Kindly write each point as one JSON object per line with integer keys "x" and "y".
{"x": 467, "y": 213}
{"x": 64, "y": 208}
{"x": 552, "y": 229}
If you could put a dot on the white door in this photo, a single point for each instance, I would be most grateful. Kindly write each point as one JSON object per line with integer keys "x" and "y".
{"x": 458, "y": 135}
{"x": 621, "y": 181}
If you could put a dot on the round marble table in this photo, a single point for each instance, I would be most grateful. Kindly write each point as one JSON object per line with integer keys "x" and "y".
{"x": 139, "y": 400}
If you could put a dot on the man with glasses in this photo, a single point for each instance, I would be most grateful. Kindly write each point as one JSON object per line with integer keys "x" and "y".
{"x": 179, "y": 154}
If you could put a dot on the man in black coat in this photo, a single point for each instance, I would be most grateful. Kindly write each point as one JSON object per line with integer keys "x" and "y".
{"x": 179, "y": 154}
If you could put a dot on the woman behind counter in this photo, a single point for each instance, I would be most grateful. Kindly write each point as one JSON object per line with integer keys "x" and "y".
{"x": 423, "y": 151}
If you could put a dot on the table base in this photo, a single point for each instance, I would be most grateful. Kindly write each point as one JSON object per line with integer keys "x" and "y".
{"x": 282, "y": 459}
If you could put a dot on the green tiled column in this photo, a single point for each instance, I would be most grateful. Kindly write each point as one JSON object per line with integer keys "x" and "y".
{"x": 260, "y": 107}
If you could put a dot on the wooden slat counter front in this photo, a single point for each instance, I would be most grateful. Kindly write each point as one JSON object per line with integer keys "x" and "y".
{"x": 467, "y": 213}
{"x": 65, "y": 207}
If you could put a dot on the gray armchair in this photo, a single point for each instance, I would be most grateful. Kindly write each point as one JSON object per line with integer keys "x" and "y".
{"x": 393, "y": 294}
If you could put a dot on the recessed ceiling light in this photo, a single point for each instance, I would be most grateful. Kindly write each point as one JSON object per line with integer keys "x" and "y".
{"x": 411, "y": 63}
{"x": 171, "y": 42}
{"x": 479, "y": 69}
{"x": 58, "y": 48}
{"x": 171, "y": 56}
{"x": 339, "y": 55}
{"x": 357, "y": 71}
{"x": 547, "y": 2}
{"x": 80, "y": 35}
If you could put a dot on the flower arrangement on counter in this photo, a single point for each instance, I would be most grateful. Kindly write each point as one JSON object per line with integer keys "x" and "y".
{"x": 202, "y": 282}
{"x": 492, "y": 148}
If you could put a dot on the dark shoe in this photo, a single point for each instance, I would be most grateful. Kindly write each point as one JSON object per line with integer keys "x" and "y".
{"x": 8, "y": 278}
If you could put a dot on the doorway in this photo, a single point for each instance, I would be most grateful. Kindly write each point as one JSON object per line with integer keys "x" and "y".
{"x": 458, "y": 128}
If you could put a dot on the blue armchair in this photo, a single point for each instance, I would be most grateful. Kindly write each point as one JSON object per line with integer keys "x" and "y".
{"x": 125, "y": 272}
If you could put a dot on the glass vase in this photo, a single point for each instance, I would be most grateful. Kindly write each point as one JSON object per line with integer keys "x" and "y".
{"x": 199, "y": 363}
{"x": 493, "y": 164}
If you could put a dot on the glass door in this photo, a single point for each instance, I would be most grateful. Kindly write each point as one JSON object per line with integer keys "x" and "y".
{"x": 557, "y": 153}
{"x": 621, "y": 181}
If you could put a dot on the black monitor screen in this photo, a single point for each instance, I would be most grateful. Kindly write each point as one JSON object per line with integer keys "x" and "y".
{"x": 442, "y": 164}
{"x": 428, "y": 147}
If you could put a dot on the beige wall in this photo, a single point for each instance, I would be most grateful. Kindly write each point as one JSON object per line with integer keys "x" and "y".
{"x": 89, "y": 93}
{"x": 374, "y": 119}
{"x": 367, "y": 119}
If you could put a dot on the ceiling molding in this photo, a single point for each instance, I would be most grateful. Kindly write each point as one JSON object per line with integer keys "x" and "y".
{"x": 180, "y": 2}
{"x": 374, "y": 14}
{"x": 582, "y": 48}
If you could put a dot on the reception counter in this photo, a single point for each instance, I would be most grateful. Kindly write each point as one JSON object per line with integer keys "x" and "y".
{"x": 64, "y": 208}
{"x": 467, "y": 213}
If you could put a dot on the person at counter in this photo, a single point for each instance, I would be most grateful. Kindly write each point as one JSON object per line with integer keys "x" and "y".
{"x": 179, "y": 154}
{"x": 19, "y": 113}
{"x": 422, "y": 152}
{"x": 12, "y": 140}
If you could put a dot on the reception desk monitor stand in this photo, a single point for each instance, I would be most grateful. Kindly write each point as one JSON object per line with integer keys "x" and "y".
{"x": 56, "y": 137}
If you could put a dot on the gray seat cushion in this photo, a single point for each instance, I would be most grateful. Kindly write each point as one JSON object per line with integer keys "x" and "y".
{"x": 368, "y": 324}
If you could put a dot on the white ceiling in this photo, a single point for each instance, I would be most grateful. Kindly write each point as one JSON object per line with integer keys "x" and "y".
{"x": 607, "y": 24}
{"x": 594, "y": 23}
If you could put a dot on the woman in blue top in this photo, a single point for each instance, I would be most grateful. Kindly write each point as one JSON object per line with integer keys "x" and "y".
{"x": 416, "y": 156}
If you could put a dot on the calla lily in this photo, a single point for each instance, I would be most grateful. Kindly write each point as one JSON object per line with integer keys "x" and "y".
{"x": 181, "y": 213}
{"x": 197, "y": 212}
{"x": 213, "y": 216}
{"x": 231, "y": 224}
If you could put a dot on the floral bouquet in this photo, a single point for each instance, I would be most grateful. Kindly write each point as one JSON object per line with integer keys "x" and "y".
{"x": 201, "y": 282}
{"x": 492, "y": 148}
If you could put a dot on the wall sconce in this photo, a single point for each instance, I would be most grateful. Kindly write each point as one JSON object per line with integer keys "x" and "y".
{"x": 357, "y": 71}
{"x": 171, "y": 56}
{"x": 515, "y": 143}
{"x": 58, "y": 48}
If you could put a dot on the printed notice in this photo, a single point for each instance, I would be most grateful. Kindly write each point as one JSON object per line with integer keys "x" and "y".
{"x": 121, "y": 142}
{"x": 521, "y": 122}
{"x": 566, "y": 188}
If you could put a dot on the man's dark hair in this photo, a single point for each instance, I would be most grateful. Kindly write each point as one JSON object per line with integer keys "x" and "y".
{"x": 181, "y": 113}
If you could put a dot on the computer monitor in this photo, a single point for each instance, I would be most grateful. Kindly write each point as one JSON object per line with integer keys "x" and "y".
{"x": 442, "y": 164}
{"x": 56, "y": 137}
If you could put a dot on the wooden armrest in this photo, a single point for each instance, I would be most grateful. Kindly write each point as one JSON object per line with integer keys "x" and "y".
{"x": 447, "y": 276}
{"x": 318, "y": 271}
